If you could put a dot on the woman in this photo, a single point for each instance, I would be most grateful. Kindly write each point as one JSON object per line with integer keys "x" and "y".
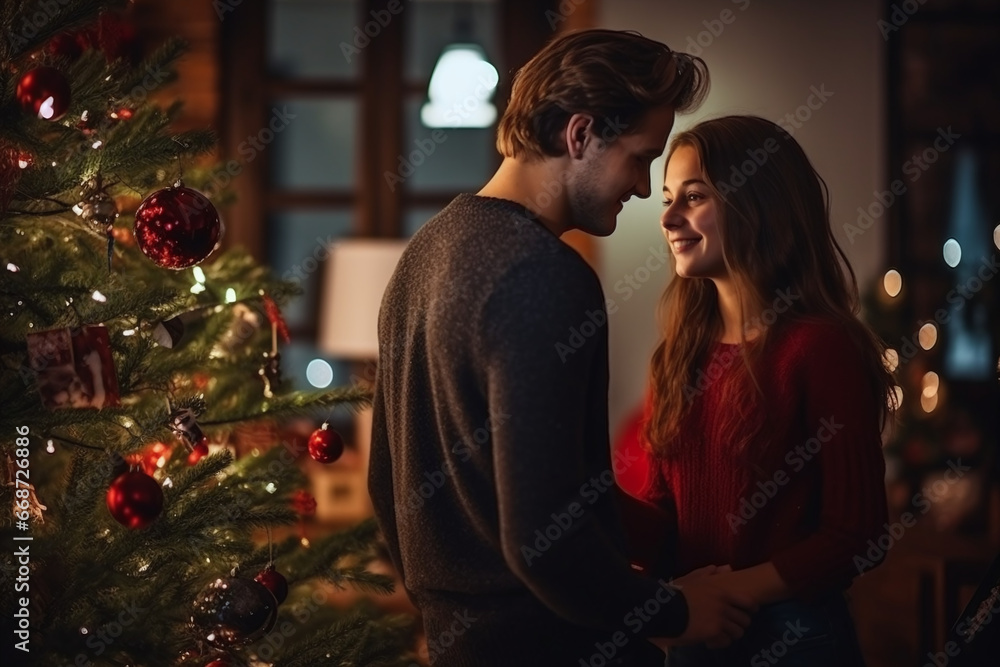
{"x": 768, "y": 395}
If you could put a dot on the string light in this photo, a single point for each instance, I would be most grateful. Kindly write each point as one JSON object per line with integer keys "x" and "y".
{"x": 927, "y": 336}
{"x": 952, "y": 252}
{"x": 199, "y": 275}
{"x": 931, "y": 383}
{"x": 230, "y": 295}
{"x": 100, "y": 298}
{"x": 893, "y": 282}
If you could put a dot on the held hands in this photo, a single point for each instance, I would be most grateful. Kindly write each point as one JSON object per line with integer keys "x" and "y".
{"x": 717, "y": 616}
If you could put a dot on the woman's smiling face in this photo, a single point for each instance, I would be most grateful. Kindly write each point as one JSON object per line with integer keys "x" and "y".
{"x": 690, "y": 217}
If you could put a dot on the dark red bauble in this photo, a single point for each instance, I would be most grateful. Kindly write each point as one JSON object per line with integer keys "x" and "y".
{"x": 273, "y": 581}
{"x": 66, "y": 45}
{"x": 233, "y": 611}
{"x": 219, "y": 663}
{"x": 177, "y": 227}
{"x": 199, "y": 450}
{"x": 44, "y": 92}
{"x": 135, "y": 499}
{"x": 325, "y": 445}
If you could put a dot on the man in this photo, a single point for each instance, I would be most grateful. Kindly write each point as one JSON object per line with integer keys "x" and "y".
{"x": 490, "y": 467}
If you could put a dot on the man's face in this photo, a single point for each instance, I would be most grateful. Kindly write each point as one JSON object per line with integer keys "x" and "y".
{"x": 612, "y": 171}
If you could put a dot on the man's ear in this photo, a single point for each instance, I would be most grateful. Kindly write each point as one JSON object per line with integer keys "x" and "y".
{"x": 578, "y": 133}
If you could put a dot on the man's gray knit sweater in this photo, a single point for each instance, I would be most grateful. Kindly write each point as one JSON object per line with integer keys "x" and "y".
{"x": 490, "y": 466}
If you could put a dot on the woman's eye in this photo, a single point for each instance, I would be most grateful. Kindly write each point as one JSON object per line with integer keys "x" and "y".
{"x": 694, "y": 196}
{"x": 668, "y": 202}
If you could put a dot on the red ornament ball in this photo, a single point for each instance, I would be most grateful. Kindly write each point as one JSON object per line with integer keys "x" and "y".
{"x": 273, "y": 581}
{"x": 199, "y": 450}
{"x": 66, "y": 45}
{"x": 325, "y": 445}
{"x": 135, "y": 499}
{"x": 177, "y": 227}
{"x": 44, "y": 92}
{"x": 219, "y": 663}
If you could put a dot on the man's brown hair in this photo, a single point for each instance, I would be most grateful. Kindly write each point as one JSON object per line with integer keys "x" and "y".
{"x": 616, "y": 76}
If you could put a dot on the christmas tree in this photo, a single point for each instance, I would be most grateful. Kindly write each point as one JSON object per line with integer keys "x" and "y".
{"x": 149, "y": 501}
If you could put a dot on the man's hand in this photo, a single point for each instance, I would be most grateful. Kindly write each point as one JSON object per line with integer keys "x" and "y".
{"x": 716, "y": 616}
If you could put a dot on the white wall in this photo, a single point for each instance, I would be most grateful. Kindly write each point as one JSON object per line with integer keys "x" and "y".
{"x": 763, "y": 62}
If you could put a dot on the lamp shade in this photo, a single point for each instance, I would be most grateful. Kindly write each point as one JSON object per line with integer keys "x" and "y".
{"x": 355, "y": 278}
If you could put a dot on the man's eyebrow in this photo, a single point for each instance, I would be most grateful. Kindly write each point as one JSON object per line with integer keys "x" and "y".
{"x": 687, "y": 182}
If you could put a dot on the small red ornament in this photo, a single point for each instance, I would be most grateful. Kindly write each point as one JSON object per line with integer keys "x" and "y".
{"x": 303, "y": 503}
{"x": 177, "y": 227}
{"x": 135, "y": 499}
{"x": 67, "y": 45}
{"x": 273, "y": 581}
{"x": 325, "y": 445}
{"x": 220, "y": 662}
{"x": 198, "y": 451}
{"x": 44, "y": 92}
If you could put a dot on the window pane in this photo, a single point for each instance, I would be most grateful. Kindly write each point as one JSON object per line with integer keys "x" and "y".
{"x": 306, "y": 38}
{"x": 317, "y": 148}
{"x": 431, "y": 26}
{"x": 448, "y": 160}
{"x": 415, "y": 218}
{"x": 297, "y": 242}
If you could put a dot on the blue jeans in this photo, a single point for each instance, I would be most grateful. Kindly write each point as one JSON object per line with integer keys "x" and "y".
{"x": 791, "y": 633}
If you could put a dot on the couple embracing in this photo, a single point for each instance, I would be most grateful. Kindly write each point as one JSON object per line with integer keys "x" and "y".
{"x": 529, "y": 553}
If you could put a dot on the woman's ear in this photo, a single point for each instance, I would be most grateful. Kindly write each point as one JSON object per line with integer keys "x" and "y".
{"x": 579, "y": 131}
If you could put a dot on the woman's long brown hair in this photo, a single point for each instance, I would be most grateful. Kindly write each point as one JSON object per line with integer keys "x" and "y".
{"x": 774, "y": 222}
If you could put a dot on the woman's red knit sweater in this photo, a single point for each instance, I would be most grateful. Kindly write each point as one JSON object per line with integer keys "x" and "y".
{"x": 812, "y": 500}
